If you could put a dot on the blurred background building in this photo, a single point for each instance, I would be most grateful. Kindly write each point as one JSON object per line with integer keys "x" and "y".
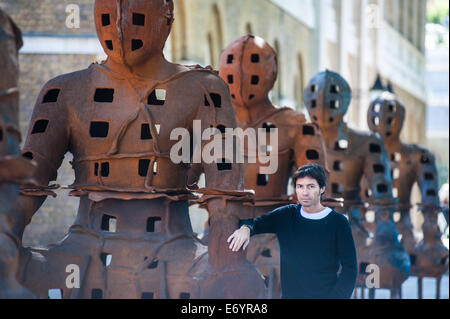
{"x": 360, "y": 39}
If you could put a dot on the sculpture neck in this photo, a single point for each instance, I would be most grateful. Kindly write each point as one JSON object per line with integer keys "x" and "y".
{"x": 392, "y": 144}
{"x": 331, "y": 134}
{"x": 248, "y": 114}
{"x": 154, "y": 67}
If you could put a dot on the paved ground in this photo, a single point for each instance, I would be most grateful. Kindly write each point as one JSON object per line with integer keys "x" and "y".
{"x": 409, "y": 289}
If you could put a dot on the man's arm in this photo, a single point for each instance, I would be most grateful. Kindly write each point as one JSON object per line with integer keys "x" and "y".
{"x": 264, "y": 224}
{"x": 347, "y": 255}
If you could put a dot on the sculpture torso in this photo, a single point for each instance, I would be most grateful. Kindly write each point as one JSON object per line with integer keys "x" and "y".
{"x": 110, "y": 128}
{"x": 354, "y": 159}
{"x": 407, "y": 158}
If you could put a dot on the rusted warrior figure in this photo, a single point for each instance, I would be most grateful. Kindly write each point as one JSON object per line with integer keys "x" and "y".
{"x": 249, "y": 66}
{"x": 132, "y": 237}
{"x": 14, "y": 169}
{"x": 352, "y": 155}
{"x": 412, "y": 163}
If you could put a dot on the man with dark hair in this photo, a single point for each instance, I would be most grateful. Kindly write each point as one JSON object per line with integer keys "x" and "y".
{"x": 315, "y": 241}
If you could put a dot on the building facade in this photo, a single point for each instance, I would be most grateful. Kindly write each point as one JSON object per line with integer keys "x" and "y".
{"x": 357, "y": 38}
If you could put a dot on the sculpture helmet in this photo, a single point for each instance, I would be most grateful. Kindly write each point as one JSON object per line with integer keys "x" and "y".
{"x": 249, "y": 66}
{"x": 131, "y": 30}
{"x": 386, "y": 116}
{"x": 327, "y": 98}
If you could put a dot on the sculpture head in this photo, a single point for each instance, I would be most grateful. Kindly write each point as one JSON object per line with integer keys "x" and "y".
{"x": 131, "y": 31}
{"x": 10, "y": 43}
{"x": 386, "y": 116}
{"x": 327, "y": 98}
{"x": 249, "y": 66}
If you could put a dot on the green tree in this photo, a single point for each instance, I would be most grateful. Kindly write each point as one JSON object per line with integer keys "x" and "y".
{"x": 437, "y": 10}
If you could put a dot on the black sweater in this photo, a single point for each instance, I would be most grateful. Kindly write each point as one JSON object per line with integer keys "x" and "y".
{"x": 311, "y": 252}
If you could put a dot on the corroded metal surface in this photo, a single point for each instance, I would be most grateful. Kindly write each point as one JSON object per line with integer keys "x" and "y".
{"x": 249, "y": 67}
{"x": 14, "y": 170}
{"x": 352, "y": 156}
{"x": 411, "y": 163}
{"x": 132, "y": 237}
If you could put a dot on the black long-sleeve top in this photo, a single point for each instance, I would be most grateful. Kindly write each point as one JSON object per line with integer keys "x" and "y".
{"x": 311, "y": 252}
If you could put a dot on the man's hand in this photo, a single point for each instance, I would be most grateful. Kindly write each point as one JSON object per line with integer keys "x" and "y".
{"x": 238, "y": 238}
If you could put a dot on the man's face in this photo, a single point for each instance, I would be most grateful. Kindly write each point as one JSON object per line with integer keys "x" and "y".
{"x": 308, "y": 191}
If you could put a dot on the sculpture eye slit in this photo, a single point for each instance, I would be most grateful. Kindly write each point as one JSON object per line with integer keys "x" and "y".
{"x": 51, "y": 96}
{"x": 40, "y": 126}
{"x": 106, "y": 19}
{"x": 109, "y": 45}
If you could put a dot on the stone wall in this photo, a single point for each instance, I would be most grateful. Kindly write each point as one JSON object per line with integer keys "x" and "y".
{"x": 49, "y": 16}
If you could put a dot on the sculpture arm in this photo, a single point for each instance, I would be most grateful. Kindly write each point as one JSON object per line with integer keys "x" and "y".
{"x": 377, "y": 171}
{"x": 224, "y": 191}
{"x": 46, "y": 143}
{"x": 427, "y": 178}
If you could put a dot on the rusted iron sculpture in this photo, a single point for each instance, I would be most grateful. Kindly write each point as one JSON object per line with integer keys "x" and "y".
{"x": 132, "y": 237}
{"x": 14, "y": 169}
{"x": 249, "y": 67}
{"x": 352, "y": 155}
{"x": 412, "y": 163}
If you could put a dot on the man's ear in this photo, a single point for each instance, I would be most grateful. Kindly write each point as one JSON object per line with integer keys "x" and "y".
{"x": 322, "y": 190}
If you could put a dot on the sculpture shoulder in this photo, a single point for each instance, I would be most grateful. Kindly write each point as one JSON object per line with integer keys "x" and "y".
{"x": 208, "y": 78}
{"x": 68, "y": 80}
{"x": 63, "y": 87}
{"x": 289, "y": 116}
{"x": 364, "y": 136}
{"x": 420, "y": 154}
